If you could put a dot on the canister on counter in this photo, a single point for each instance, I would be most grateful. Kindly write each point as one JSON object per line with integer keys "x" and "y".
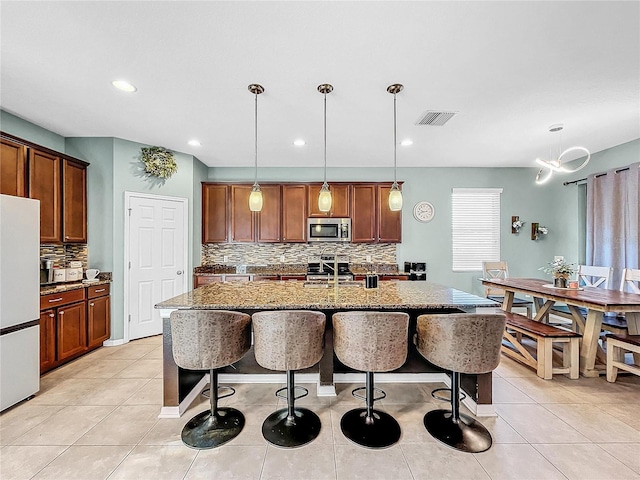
{"x": 59, "y": 275}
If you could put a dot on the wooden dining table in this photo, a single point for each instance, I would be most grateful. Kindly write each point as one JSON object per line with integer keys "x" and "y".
{"x": 597, "y": 301}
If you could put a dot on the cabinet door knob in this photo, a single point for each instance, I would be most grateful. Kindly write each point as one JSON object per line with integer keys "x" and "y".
{"x": 61, "y": 312}
{"x": 91, "y": 304}
{"x": 51, "y": 315}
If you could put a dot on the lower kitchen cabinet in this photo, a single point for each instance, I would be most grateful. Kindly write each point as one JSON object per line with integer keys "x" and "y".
{"x": 71, "y": 331}
{"x": 71, "y": 326}
{"x": 98, "y": 315}
{"x": 47, "y": 340}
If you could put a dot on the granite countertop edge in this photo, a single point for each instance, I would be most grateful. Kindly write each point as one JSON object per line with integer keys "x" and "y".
{"x": 67, "y": 287}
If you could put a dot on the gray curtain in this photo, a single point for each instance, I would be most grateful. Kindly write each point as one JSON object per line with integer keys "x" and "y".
{"x": 613, "y": 220}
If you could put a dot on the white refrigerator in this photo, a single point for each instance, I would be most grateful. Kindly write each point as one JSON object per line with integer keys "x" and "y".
{"x": 19, "y": 299}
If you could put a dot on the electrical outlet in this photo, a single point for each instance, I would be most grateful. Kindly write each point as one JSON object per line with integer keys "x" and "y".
{"x": 368, "y": 258}
{"x": 225, "y": 258}
{"x": 282, "y": 258}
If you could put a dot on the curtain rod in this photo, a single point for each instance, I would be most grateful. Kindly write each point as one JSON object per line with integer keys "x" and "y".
{"x": 582, "y": 180}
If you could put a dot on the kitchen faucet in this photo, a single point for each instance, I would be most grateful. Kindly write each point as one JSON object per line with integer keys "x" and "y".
{"x": 333, "y": 267}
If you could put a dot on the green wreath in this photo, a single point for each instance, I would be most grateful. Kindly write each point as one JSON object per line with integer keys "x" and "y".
{"x": 159, "y": 162}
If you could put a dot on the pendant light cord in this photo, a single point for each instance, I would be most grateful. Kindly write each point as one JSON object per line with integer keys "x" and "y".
{"x": 395, "y": 141}
{"x": 255, "y": 181}
{"x": 325, "y": 138}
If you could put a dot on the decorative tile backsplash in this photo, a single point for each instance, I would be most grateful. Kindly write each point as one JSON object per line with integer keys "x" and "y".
{"x": 293, "y": 253}
{"x": 63, "y": 254}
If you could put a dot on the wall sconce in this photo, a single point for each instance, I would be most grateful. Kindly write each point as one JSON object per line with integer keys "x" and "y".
{"x": 516, "y": 224}
{"x": 537, "y": 230}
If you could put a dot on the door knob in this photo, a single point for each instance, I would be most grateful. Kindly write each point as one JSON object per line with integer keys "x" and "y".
{"x": 179, "y": 272}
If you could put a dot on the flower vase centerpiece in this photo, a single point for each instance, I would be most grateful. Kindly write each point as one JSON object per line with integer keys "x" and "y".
{"x": 561, "y": 272}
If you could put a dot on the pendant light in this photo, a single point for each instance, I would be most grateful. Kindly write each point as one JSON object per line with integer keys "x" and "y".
{"x": 324, "y": 199}
{"x": 556, "y": 165}
{"x": 255, "y": 198}
{"x": 395, "y": 194}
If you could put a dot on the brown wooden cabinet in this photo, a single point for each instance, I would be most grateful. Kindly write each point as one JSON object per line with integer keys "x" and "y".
{"x": 215, "y": 216}
{"x": 57, "y": 180}
{"x": 389, "y": 223}
{"x": 294, "y": 213}
{"x": 268, "y": 220}
{"x": 340, "y": 200}
{"x": 242, "y": 219}
{"x": 200, "y": 280}
{"x": 71, "y": 331}
{"x": 98, "y": 315}
{"x": 44, "y": 185}
{"x": 74, "y": 195}
{"x": 13, "y": 168}
{"x": 47, "y": 340}
{"x": 71, "y": 326}
{"x": 363, "y": 213}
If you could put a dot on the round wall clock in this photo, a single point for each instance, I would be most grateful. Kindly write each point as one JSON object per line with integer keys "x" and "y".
{"x": 424, "y": 211}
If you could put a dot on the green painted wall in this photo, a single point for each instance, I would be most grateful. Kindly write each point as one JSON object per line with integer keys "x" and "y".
{"x": 24, "y": 129}
{"x": 98, "y": 152}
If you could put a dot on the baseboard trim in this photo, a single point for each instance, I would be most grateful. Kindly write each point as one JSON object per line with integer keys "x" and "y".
{"x": 114, "y": 343}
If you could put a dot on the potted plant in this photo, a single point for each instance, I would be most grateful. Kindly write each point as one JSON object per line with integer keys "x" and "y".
{"x": 560, "y": 270}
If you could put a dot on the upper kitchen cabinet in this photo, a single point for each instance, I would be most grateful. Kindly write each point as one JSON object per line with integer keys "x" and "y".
{"x": 340, "y": 200}
{"x": 57, "y": 180}
{"x": 268, "y": 219}
{"x": 294, "y": 213}
{"x": 389, "y": 222}
{"x": 371, "y": 219}
{"x": 363, "y": 214}
{"x": 13, "y": 169}
{"x": 242, "y": 219}
{"x": 74, "y": 195}
{"x": 44, "y": 185}
{"x": 215, "y": 217}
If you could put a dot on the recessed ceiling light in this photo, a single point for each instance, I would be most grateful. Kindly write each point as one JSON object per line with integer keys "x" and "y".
{"x": 299, "y": 143}
{"x": 406, "y": 143}
{"x": 194, "y": 143}
{"x": 124, "y": 86}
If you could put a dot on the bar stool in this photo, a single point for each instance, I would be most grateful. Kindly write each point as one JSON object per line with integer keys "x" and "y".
{"x": 210, "y": 339}
{"x": 289, "y": 340}
{"x": 371, "y": 342}
{"x": 461, "y": 343}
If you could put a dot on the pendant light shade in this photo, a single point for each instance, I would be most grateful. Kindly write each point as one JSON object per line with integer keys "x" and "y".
{"x": 255, "y": 198}
{"x": 395, "y": 194}
{"x": 324, "y": 199}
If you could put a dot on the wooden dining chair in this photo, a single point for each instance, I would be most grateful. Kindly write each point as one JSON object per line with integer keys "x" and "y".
{"x": 616, "y": 322}
{"x": 499, "y": 270}
{"x": 588, "y": 276}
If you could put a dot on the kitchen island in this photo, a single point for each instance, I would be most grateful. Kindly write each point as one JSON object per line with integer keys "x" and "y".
{"x": 180, "y": 387}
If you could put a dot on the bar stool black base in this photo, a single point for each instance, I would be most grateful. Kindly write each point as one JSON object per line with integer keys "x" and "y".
{"x": 205, "y": 431}
{"x": 466, "y": 435}
{"x": 380, "y": 431}
{"x": 282, "y": 431}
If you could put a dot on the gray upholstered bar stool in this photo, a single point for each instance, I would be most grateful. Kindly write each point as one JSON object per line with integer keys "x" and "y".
{"x": 462, "y": 343}
{"x": 289, "y": 340}
{"x": 370, "y": 342}
{"x": 209, "y": 340}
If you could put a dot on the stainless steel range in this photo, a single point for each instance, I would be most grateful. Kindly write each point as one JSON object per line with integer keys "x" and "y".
{"x": 321, "y": 267}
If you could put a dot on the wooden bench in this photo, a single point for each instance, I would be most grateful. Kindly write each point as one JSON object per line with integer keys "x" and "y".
{"x": 545, "y": 336}
{"x": 617, "y": 346}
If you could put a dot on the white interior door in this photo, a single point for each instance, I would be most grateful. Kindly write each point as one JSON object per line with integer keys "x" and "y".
{"x": 157, "y": 258}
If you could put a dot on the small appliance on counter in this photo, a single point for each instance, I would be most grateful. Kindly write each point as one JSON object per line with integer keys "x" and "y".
{"x": 416, "y": 270}
{"x": 46, "y": 271}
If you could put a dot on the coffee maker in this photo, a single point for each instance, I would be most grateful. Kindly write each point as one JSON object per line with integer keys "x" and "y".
{"x": 46, "y": 271}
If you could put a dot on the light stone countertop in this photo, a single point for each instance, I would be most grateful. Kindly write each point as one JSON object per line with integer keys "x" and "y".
{"x": 65, "y": 287}
{"x": 272, "y": 295}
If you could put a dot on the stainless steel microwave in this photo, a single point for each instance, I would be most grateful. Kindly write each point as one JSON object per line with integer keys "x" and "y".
{"x": 328, "y": 229}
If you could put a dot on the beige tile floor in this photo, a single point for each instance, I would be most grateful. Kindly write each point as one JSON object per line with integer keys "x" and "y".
{"x": 96, "y": 418}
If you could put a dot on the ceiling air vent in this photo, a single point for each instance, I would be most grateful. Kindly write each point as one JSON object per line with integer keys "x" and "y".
{"x": 436, "y": 119}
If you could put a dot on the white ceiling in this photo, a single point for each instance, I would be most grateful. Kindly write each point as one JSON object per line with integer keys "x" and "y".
{"x": 510, "y": 70}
